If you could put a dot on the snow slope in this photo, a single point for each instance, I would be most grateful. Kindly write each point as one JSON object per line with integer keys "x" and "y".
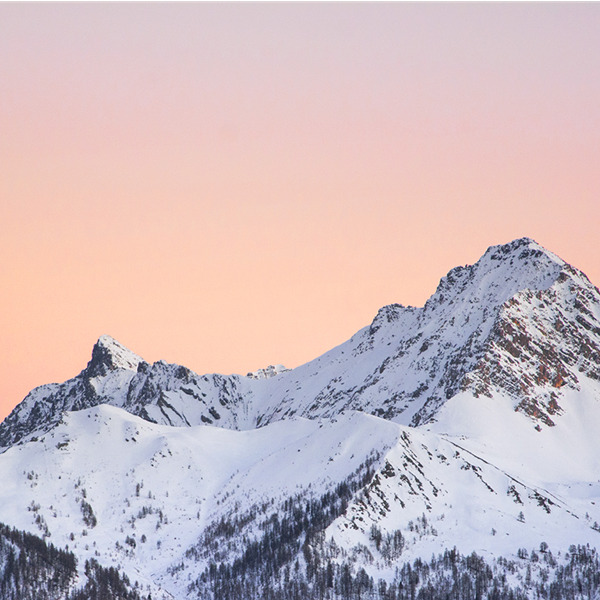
{"x": 160, "y": 486}
{"x": 140, "y": 496}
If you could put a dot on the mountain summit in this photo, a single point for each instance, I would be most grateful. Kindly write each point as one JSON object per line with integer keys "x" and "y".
{"x": 520, "y": 322}
{"x": 109, "y": 355}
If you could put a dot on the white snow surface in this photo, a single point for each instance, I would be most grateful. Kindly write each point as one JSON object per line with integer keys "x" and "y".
{"x": 169, "y": 483}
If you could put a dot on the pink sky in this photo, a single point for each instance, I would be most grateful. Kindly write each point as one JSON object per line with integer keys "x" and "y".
{"x": 232, "y": 185}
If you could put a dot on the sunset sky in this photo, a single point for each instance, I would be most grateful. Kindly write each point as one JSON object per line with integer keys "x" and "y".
{"x": 228, "y": 186}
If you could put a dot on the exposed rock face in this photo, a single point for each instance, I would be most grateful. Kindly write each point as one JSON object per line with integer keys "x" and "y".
{"x": 542, "y": 341}
{"x": 174, "y": 395}
{"x": 533, "y": 328}
{"x": 108, "y": 355}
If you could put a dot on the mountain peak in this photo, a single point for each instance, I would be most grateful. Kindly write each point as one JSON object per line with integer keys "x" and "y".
{"x": 267, "y": 372}
{"x": 522, "y": 249}
{"x": 108, "y": 354}
{"x": 500, "y": 273}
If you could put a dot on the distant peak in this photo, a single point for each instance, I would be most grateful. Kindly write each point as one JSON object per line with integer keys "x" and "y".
{"x": 268, "y": 372}
{"x": 108, "y": 354}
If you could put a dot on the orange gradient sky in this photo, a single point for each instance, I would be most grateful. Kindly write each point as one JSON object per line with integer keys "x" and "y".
{"x": 227, "y": 186}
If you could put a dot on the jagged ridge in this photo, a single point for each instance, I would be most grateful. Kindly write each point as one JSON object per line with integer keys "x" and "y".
{"x": 520, "y": 321}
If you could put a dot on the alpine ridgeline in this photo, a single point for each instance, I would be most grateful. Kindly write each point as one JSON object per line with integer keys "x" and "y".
{"x": 466, "y": 425}
{"x": 520, "y": 321}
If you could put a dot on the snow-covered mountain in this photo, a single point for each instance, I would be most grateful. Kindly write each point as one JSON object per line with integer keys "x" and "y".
{"x": 469, "y": 423}
{"x": 519, "y": 321}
